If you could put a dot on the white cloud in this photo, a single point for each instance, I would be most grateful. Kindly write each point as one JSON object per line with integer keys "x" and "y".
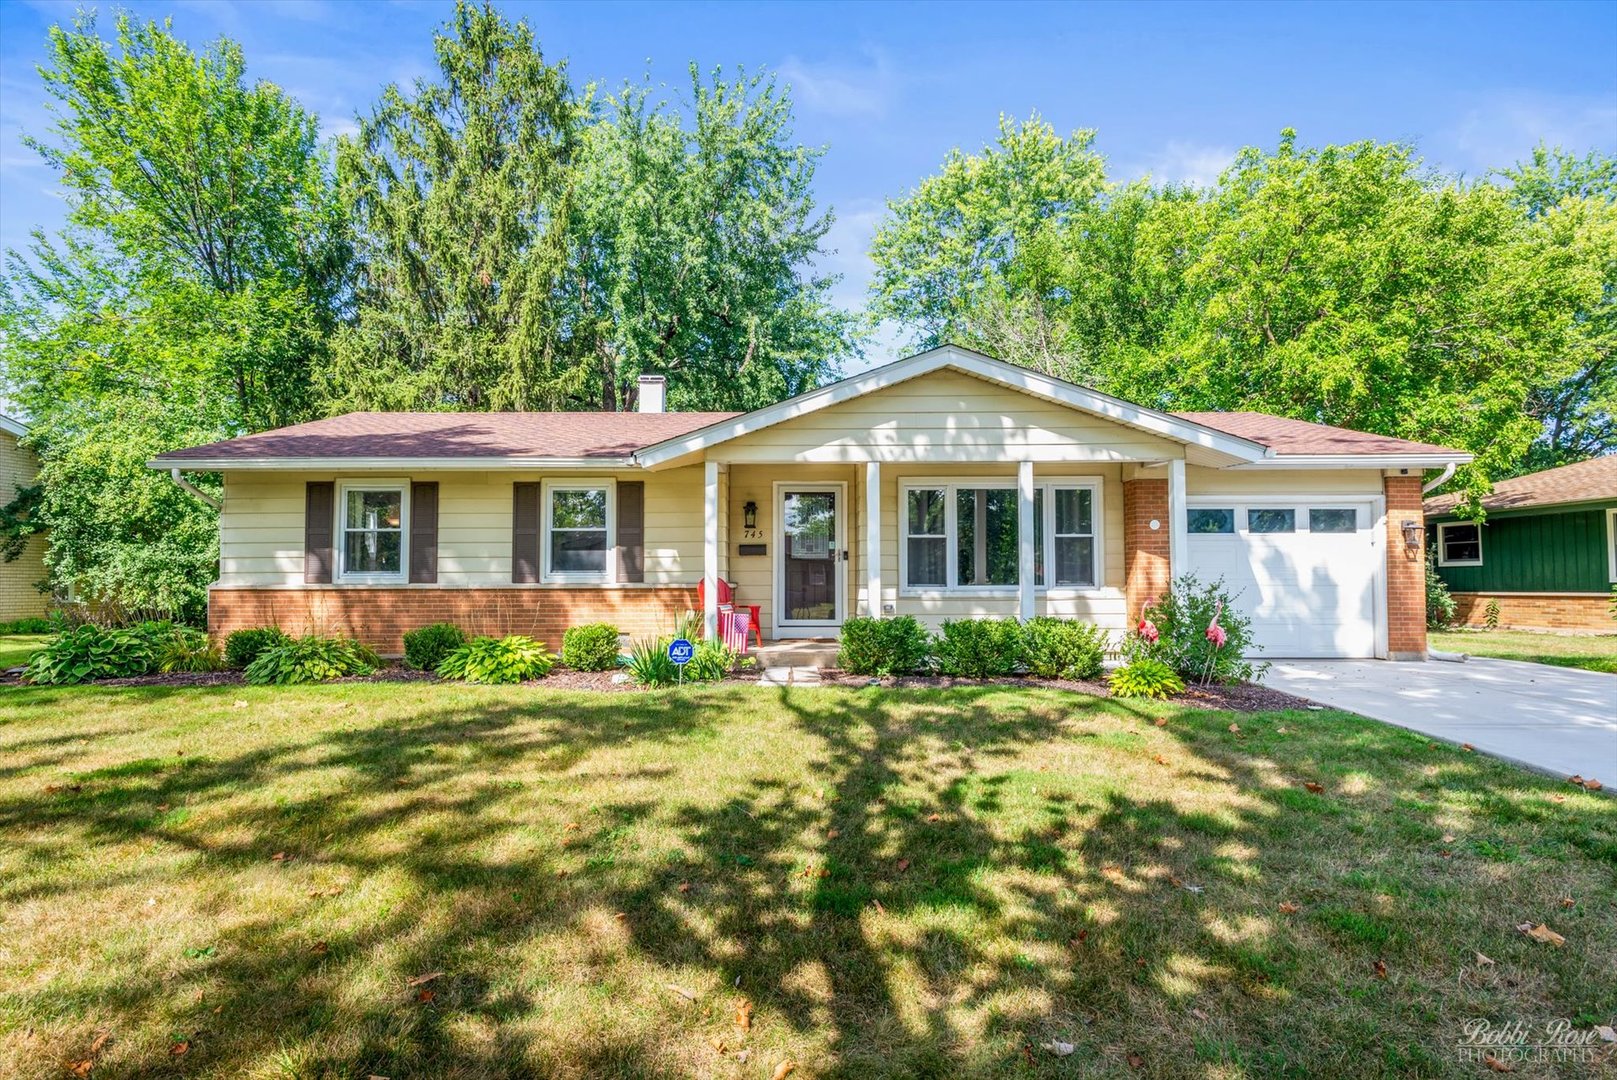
{"x": 1184, "y": 162}
{"x": 1503, "y": 129}
{"x": 842, "y": 89}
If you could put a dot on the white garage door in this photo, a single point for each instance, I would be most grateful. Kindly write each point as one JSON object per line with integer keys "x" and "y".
{"x": 1305, "y": 572}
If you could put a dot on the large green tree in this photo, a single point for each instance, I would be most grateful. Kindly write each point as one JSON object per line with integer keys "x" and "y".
{"x": 527, "y": 246}
{"x": 1345, "y": 285}
{"x": 189, "y": 297}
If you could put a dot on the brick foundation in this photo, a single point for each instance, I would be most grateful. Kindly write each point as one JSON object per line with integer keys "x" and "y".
{"x": 1146, "y": 552}
{"x": 1538, "y": 611}
{"x": 380, "y": 617}
{"x": 1406, "y": 570}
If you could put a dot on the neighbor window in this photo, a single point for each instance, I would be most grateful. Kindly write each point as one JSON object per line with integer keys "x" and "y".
{"x": 967, "y": 536}
{"x": 1333, "y": 520}
{"x": 1459, "y": 543}
{"x": 1611, "y": 544}
{"x": 577, "y": 523}
{"x": 1271, "y": 520}
{"x": 372, "y": 525}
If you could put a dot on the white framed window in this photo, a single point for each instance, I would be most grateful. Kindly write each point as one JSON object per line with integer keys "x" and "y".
{"x": 579, "y": 528}
{"x": 963, "y": 535}
{"x": 1611, "y": 544}
{"x": 1459, "y": 543}
{"x": 372, "y": 538}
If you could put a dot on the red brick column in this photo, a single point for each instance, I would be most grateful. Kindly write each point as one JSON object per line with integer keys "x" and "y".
{"x": 1406, "y": 571}
{"x": 380, "y": 616}
{"x": 1146, "y": 560}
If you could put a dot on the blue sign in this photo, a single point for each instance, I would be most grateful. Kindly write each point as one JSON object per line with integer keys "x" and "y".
{"x": 680, "y": 651}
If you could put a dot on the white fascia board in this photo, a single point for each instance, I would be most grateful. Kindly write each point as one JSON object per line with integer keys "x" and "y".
{"x": 1355, "y": 461}
{"x": 983, "y": 367}
{"x": 310, "y": 464}
{"x": 7, "y": 424}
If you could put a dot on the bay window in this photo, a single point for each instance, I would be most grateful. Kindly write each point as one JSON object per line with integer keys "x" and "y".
{"x": 964, "y": 535}
{"x": 370, "y": 519}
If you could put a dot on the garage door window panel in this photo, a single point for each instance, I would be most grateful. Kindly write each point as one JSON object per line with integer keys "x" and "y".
{"x": 1333, "y": 520}
{"x": 1218, "y": 522}
{"x": 1459, "y": 544}
{"x": 1270, "y": 519}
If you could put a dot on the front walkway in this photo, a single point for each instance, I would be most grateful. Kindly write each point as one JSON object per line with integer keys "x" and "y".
{"x": 1559, "y": 720}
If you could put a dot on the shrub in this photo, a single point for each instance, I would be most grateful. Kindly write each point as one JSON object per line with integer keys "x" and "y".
{"x": 510, "y": 659}
{"x": 311, "y": 659}
{"x": 648, "y": 664}
{"x": 189, "y": 650}
{"x": 33, "y": 625}
{"x": 1440, "y": 606}
{"x": 1064, "y": 648}
{"x": 1181, "y": 621}
{"x": 883, "y": 646}
{"x": 1147, "y": 678}
{"x": 979, "y": 648}
{"x": 94, "y": 652}
{"x": 242, "y": 647}
{"x": 426, "y": 647}
{"x": 592, "y": 647}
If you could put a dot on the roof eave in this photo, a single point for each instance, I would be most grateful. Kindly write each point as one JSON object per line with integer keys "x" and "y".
{"x": 1360, "y": 461}
{"x": 1032, "y": 382}
{"x": 266, "y": 464}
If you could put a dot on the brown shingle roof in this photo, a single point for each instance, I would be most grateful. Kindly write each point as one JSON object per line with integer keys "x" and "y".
{"x": 1285, "y": 436}
{"x": 457, "y": 435}
{"x": 1583, "y": 481}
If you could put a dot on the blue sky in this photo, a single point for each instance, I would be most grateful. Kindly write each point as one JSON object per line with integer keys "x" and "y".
{"x": 889, "y": 89}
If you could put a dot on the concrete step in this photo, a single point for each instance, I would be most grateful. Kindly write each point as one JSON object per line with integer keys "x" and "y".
{"x": 789, "y": 676}
{"x": 805, "y": 653}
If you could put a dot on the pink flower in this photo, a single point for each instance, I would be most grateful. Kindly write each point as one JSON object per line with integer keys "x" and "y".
{"x": 1148, "y": 630}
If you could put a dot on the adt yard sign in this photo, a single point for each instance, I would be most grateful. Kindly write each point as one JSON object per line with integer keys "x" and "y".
{"x": 680, "y": 651}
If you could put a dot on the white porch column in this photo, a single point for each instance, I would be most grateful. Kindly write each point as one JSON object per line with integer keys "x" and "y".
{"x": 1178, "y": 519}
{"x": 873, "y": 539}
{"x": 710, "y": 549}
{"x": 1024, "y": 535}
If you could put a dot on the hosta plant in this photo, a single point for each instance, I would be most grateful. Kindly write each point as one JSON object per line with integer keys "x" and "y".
{"x": 90, "y": 652}
{"x": 510, "y": 659}
{"x": 311, "y": 659}
{"x": 1146, "y": 678}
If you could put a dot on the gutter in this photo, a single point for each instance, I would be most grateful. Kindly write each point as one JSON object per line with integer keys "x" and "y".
{"x": 1442, "y": 478}
{"x": 191, "y": 489}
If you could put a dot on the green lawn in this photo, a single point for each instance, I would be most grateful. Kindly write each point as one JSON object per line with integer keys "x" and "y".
{"x": 1594, "y": 652}
{"x": 15, "y": 649}
{"x": 902, "y": 883}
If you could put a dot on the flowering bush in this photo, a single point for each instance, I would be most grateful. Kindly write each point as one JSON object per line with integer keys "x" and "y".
{"x": 1197, "y": 631}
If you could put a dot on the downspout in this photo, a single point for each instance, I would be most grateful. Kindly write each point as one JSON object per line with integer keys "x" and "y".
{"x": 1426, "y": 489}
{"x": 192, "y": 489}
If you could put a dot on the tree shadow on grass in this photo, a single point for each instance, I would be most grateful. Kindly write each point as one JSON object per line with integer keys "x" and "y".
{"x": 935, "y": 883}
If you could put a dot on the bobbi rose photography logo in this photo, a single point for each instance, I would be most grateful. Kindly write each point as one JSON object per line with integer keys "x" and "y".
{"x": 1508, "y": 1043}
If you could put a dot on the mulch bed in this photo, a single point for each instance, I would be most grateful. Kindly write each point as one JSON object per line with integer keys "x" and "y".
{"x": 1241, "y": 697}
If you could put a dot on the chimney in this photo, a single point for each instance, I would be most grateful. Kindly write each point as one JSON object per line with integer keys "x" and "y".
{"x": 653, "y": 393}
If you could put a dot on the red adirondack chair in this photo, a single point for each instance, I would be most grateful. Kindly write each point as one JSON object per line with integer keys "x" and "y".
{"x": 726, "y": 604}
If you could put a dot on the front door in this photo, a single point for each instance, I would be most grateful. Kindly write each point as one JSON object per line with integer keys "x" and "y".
{"x": 811, "y": 568}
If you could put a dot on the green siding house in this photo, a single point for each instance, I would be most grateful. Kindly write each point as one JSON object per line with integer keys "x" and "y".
{"x": 1546, "y": 552}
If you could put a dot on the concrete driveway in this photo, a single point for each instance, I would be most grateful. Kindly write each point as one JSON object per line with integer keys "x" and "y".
{"x": 1560, "y": 720}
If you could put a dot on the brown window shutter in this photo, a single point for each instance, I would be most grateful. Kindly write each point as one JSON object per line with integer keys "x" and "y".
{"x": 319, "y": 517}
{"x": 632, "y": 530}
{"x": 525, "y": 532}
{"x": 424, "y": 531}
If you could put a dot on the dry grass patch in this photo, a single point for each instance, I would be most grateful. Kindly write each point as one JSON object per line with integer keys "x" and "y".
{"x": 901, "y": 883}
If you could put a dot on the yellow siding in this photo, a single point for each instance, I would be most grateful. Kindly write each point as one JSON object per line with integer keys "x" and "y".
{"x": 943, "y": 417}
{"x": 261, "y": 526}
{"x": 18, "y": 596}
{"x": 1258, "y": 482}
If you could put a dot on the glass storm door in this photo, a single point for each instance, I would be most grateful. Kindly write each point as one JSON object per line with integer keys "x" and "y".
{"x": 811, "y": 565}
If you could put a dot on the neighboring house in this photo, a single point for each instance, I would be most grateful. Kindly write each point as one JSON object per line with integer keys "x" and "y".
{"x": 1546, "y": 550}
{"x": 947, "y": 484}
{"x": 19, "y": 579}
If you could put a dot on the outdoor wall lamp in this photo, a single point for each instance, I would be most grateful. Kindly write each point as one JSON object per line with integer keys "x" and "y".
{"x": 1412, "y": 535}
{"x": 749, "y": 514}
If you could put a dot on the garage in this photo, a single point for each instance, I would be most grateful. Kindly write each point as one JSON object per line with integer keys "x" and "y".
{"x": 1307, "y": 571}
